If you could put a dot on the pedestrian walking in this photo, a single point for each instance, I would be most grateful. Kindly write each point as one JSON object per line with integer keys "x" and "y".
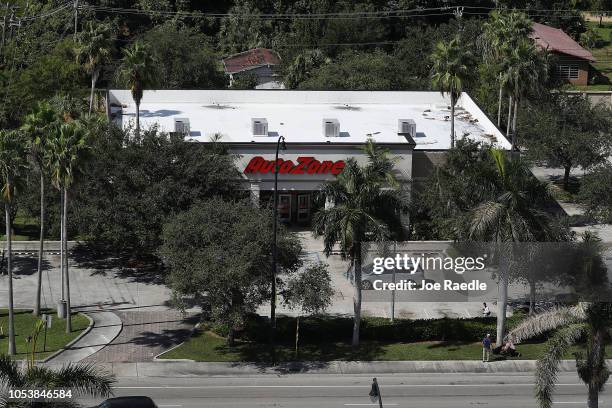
{"x": 486, "y": 312}
{"x": 486, "y": 348}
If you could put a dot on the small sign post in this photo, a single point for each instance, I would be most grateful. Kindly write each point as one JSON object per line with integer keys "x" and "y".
{"x": 47, "y": 319}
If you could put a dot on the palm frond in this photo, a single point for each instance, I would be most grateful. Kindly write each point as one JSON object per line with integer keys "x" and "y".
{"x": 548, "y": 365}
{"x": 544, "y": 322}
{"x": 9, "y": 372}
{"x": 85, "y": 379}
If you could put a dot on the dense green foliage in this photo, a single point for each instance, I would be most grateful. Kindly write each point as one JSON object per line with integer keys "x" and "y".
{"x": 566, "y": 130}
{"x": 596, "y": 193}
{"x": 132, "y": 185}
{"x": 219, "y": 254}
{"x": 373, "y": 44}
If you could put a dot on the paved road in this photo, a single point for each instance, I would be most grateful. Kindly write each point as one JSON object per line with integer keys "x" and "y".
{"x": 332, "y": 391}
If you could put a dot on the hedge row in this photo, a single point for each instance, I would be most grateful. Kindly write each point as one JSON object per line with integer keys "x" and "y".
{"x": 320, "y": 329}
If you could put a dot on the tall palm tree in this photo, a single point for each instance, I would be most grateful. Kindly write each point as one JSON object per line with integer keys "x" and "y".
{"x": 586, "y": 320}
{"x": 37, "y": 126}
{"x": 84, "y": 380}
{"x": 366, "y": 209}
{"x": 94, "y": 50}
{"x": 513, "y": 214}
{"x": 525, "y": 70}
{"x": 450, "y": 72}
{"x": 66, "y": 148}
{"x": 13, "y": 164}
{"x": 137, "y": 71}
{"x": 502, "y": 31}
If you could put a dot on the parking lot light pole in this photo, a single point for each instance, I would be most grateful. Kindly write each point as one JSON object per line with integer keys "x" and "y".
{"x": 280, "y": 144}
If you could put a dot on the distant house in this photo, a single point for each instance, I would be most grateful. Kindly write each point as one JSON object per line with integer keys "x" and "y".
{"x": 260, "y": 62}
{"x": 573, "y": 61}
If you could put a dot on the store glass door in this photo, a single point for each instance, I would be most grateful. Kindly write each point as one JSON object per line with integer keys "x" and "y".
{"x": 284, "y": 207}
{"x": 303, "y": 206}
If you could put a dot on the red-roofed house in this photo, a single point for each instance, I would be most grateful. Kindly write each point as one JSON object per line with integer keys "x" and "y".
{"x": 573, "y": 61}
{"x": 260, "y": 62}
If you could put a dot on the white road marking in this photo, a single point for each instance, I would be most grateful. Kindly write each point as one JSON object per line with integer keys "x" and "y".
{"x": 195, "y": 387}
{"x": 370, "y": 405}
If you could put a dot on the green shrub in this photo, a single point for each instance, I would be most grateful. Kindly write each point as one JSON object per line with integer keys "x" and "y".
{"x": 327, "y": 329}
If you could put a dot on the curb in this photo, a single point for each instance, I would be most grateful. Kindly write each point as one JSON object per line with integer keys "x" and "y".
{"x": 191, "y": 333}
{"x": 97, "y": 340}
{"x": 77, "y": 338}
{"x": 179, "y": 369}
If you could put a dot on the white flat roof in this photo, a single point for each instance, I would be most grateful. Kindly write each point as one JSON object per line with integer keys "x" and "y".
{"x": 298, "y": 115}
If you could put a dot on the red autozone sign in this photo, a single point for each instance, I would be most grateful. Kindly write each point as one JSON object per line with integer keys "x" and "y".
{"x": 304, "y": 165}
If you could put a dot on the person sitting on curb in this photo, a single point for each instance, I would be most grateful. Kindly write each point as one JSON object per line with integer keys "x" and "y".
{"x": 508, "y": 349}
{"x": 486, "y": 348}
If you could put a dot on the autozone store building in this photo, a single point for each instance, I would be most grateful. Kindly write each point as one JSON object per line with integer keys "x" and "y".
{"x": 322, "y": 129}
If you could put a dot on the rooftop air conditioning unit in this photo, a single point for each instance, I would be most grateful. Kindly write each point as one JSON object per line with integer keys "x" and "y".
{"x": 406, "y": 127}
{"x": 259, "y": 126}
{"x": 181, "y": 125}
{"x": 331, "y": 127}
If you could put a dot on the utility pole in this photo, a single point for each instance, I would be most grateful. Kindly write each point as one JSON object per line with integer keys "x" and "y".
{"x": 76, "y": 17}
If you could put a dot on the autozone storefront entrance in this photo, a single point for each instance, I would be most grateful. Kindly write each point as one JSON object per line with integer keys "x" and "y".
{"x": 303, "y": 168}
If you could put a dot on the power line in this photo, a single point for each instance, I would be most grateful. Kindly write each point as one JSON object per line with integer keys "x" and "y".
{"x": 383, "y": 14}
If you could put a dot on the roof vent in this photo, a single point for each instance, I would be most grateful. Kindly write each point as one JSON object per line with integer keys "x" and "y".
{"x": 331, "y": 127}
{"x": 259, "y": 126}
{"x": 181, "y": 125}
{"x": 406, "y": 127}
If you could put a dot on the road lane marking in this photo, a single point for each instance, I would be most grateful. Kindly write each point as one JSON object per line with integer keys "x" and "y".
{"x": 189, "y": 387}
{"x": 370, "y": 405}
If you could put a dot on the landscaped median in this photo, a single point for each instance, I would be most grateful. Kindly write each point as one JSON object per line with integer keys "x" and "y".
{"x": 25, "y": 324}
{"x": 328, "y": 339}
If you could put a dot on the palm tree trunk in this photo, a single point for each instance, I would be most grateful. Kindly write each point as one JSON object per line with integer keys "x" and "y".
{"x": 61, "y": 216}
{"x": 41, "y": 243}
{"x": 593, "y": 401}
{"x": 9, "y": 267}
{"x": 597, "y": 377}
{"x": 514, "y": 132}
{"x": 138, "y": 119}
{"x": 452, "y": 123}
{"x": 499, "y": 103}
{"x": 502, "y": 300}
{"x": 297, "y": 335}
{"x": 67, "y": 278}
{"x": 532, "y": 296}
{"x": 94, "y": 80}
{"x": 509, "y": 116}
{"x": 357, "y": 294}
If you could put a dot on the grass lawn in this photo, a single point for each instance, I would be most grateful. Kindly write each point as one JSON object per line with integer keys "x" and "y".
{"x": 24, "y": 229}
{"x": 207, "y": 346}
{"x": 24, "y": 326}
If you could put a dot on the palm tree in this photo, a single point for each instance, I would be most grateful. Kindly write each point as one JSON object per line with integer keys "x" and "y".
{"x": 501, "y": 33}
{"x": 13, "y": 163}
{"x": 94, "y": 50}
{"x": 365, "y": 209}
{"x": 84, "y": 380}
{"x": 513, "y": 214}
{"x": 526, "y": 69}
{"x": 65, "y": 150}
{"x": 137, "y": 70}
{"x": 451, "y": 70}
{"x": 586, "y": 320}
{"x": 37, "y": 126}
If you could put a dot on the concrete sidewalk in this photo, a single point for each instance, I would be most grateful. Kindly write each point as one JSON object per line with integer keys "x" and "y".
{"x": 212, "y": 369}
{"x": 106, "y": 326}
